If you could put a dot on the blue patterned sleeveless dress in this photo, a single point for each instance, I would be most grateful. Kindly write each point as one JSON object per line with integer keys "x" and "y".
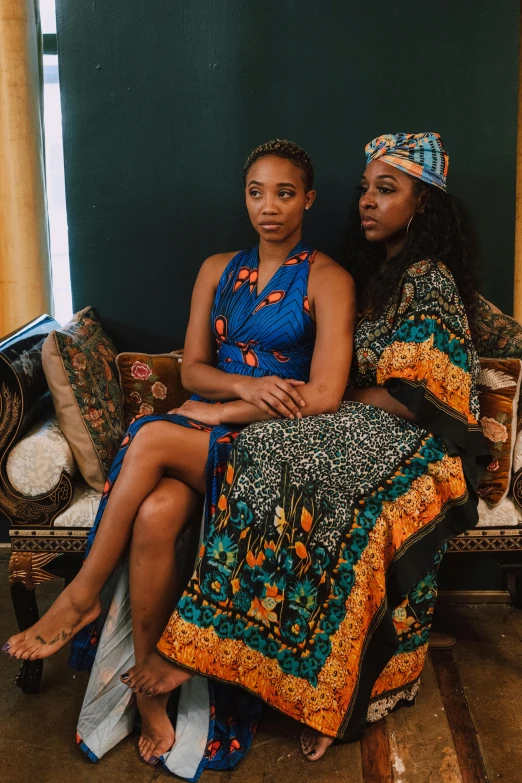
{"x": 269, "y": 332}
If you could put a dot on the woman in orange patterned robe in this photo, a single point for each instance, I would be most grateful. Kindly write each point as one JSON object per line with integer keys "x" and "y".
{"x": 315, "y": 585}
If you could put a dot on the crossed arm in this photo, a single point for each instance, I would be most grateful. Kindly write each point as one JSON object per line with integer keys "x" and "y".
{"x": 246, "y": 399}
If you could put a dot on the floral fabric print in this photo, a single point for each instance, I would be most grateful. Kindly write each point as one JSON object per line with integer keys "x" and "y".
{"x": 150, "y": 383}
{"x": 316, "y": 581}
{"x": 495, "y": 335}
{"x": 89, "y": 360}
{"x": 499, "y": 389}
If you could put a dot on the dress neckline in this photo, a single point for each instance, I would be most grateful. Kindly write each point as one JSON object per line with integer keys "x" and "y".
{"x": 301, "y": 245}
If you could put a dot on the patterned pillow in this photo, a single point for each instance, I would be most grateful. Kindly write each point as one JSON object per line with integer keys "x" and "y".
{"x": 151, "y": 383}
{"x": 496, "y": 335}
{"x": 79, "y": 361}
{"x": 499, "y": 391}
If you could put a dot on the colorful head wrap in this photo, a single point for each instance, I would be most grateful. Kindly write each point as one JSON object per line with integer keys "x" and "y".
{"x": 419, "y": 154}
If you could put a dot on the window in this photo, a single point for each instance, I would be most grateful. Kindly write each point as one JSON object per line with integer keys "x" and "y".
{"x": 61, "y": 279}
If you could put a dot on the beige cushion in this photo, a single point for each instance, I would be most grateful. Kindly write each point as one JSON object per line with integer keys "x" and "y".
{"x": 79, "y": 361}
{"x": 35, "y": 464}
{"x": 504, "y": 514}
{"x": 82, "y": 511}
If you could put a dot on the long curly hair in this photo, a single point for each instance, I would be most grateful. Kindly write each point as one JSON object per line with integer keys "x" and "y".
{"x": 442, "y": 232}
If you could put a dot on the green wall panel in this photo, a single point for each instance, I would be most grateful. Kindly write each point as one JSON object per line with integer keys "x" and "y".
{"x": 162, "y": 101}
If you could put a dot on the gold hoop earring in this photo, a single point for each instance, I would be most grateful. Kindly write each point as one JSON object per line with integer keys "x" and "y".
{"x": 409, "y": 222}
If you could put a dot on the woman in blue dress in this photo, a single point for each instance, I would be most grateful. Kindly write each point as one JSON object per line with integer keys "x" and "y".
{"x": 270, "y": 336}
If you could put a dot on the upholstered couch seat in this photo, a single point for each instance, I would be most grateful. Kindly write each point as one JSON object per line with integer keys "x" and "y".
{"x": 506, "y": 514}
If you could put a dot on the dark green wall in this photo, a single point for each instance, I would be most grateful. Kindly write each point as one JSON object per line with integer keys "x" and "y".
{"x": 162, "y": 101}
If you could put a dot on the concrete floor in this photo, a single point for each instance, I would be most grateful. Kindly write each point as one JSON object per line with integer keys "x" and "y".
{"x": 37, "y": 732}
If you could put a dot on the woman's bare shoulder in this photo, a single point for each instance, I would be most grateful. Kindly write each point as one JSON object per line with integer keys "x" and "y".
{"x": 214, "y": 266}
{"x": 325, "y": 270}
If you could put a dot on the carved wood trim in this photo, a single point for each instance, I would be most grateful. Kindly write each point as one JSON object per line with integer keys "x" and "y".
{"x": 29, "y": 568}
{"x": 488, "y": 540}
{"x": 58, "y": 540}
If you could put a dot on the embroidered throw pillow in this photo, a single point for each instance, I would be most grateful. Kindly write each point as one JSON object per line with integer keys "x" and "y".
{"x": 499, "y": 391}
{"x": 79, "y": 362}
{"x": 151, "y": 383}
{"x": 494, "y": 334}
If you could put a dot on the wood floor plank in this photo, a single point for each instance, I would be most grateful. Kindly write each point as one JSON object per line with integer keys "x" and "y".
{"x": 468, "y": 751}
{"x": 488, "y": 655}
{"x": 375, "y": 754}
{"x": 421, "y": 745}
{"x": 276, "y": 757}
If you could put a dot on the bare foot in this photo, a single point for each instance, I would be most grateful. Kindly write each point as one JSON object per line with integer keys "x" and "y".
{"x": 69, "y": 614}
{"x": 314, "y": 744}
{"x": 157, "y": 733}
{"x": 155, "y": 675}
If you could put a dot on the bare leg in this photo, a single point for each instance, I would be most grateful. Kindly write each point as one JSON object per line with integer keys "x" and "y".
{"x": 159, "y": 449}
{"x": 153, "y": 583}
{"x": 314, "y": 744}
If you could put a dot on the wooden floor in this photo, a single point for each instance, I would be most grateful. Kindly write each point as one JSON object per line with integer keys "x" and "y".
{"x": 466, "y": 726}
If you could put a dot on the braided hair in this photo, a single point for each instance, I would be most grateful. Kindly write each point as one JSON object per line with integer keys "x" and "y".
{"x": 443, "y": 232}
{"x": 282, "y": 148}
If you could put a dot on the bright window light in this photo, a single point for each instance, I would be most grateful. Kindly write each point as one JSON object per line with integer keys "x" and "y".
{"x": 61, "y": 278}
{"x": 48, "y": 16}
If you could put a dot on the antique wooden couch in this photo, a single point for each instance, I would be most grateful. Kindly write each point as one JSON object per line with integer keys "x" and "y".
{"x": 48, "y": 530}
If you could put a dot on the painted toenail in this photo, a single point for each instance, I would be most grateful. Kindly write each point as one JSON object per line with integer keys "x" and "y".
{"x": 148, "y": 693}
{"x": 153, "y": 760}
{"x": 6, "y": 647}
{"x": 125, "y": 676}
{"x": 312, "y": 753}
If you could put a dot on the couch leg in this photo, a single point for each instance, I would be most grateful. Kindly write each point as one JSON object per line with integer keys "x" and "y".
{"x": 515, "y": 588}
{"x": 26, "y": 611}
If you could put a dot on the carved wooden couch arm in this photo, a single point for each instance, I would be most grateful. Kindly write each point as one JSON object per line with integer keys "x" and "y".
{"x": 37, "y": 549}
{"x": 25, "y": 398}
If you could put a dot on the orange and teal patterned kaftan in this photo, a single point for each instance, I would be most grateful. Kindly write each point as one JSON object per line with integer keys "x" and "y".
{"x": 316, "y": 582}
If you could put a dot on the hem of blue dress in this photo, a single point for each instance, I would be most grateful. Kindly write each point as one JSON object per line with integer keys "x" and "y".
{"x": 88, "y": 752}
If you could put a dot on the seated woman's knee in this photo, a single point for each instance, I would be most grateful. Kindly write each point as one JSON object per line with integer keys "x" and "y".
{"x": 151, "y": 436}
{"x": 158, "y": 519}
